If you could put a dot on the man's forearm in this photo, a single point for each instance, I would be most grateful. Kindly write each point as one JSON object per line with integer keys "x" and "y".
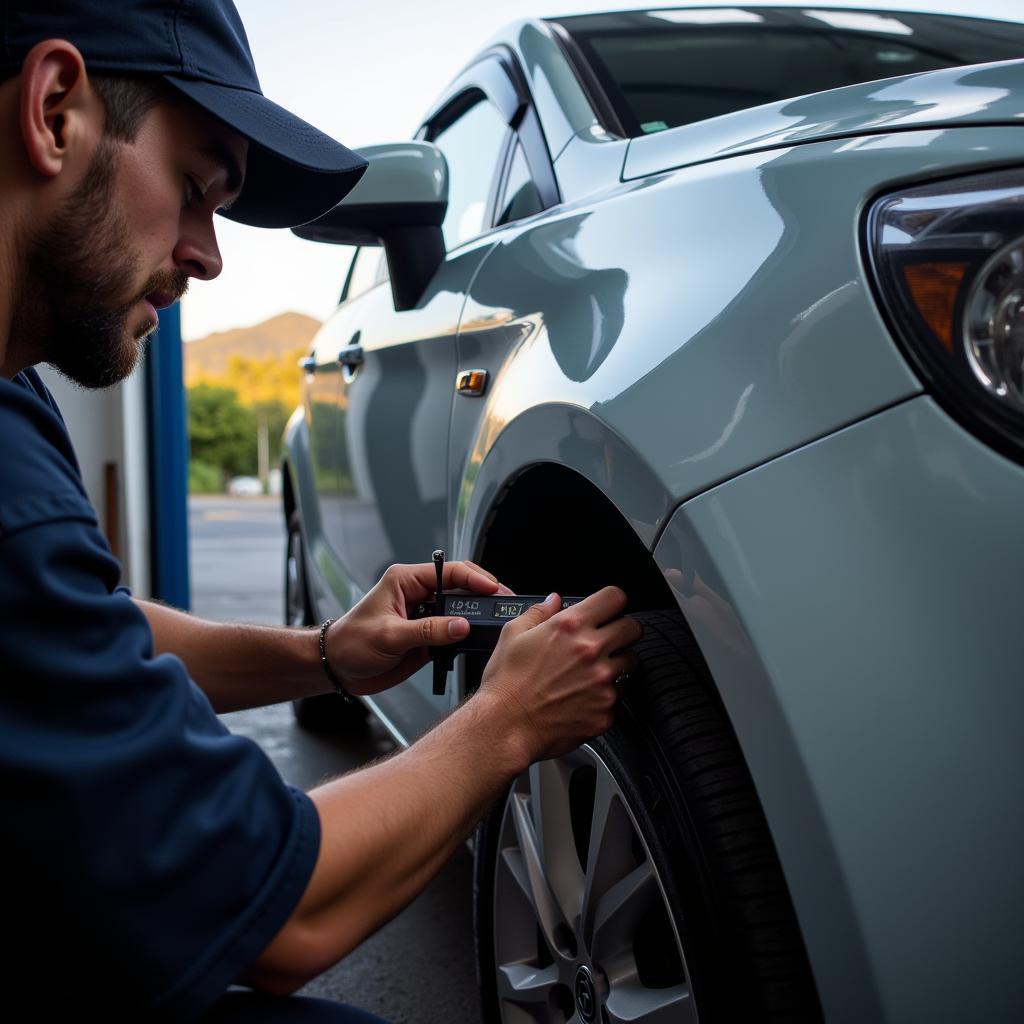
{"x": 239, "y": 666}
{"x": 385, "y": 832}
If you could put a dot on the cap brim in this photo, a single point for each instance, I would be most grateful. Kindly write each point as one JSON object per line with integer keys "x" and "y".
{"x": 294, "y": 172}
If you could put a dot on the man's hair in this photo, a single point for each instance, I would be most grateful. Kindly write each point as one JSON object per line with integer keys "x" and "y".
{"x": 126, "y": 100}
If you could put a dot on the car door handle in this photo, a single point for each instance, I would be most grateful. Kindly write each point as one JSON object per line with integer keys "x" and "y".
{"x": 307, "y": 365}
{"x": 351, "y": 356}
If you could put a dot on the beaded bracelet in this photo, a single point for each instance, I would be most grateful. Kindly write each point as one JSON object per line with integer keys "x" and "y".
{"x": 339, "y": 686}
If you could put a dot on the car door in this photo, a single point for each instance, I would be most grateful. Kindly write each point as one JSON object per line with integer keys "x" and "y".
{"x": 323, "y": 396}
{"x": 395, "y": 398}
{"x": 320, "y": 389}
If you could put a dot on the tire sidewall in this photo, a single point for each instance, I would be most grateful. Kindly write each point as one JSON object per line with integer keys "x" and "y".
{"x": 679, "y": 767}
{"x": 295, "y": 535}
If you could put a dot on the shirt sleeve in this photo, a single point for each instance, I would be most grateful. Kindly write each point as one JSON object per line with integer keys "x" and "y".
{"x": 149, "y": 854}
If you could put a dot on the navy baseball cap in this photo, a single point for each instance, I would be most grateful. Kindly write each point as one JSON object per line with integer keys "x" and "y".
{"x": 294, "y": 172}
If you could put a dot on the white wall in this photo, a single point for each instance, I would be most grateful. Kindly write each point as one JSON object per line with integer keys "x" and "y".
{"x": 110, "y": 427}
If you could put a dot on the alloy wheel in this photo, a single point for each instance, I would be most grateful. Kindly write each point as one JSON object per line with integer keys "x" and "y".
{"x": 582, "y": 928}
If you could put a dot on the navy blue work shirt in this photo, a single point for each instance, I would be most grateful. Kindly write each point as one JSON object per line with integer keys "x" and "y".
{"x": 148, "y": 854}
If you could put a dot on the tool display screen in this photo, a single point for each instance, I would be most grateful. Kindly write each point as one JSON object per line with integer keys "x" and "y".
{"x": 508, "y": 609}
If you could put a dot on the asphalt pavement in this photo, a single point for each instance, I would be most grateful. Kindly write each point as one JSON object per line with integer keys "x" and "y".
{"x": 419, "y": 968}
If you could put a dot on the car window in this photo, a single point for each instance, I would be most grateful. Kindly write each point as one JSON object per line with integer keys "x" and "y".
{"x": 364, "y": 270}
{"x": 520, "y": 197}
{"x": 472, "y": 145}
{"x": 664, "y": 68}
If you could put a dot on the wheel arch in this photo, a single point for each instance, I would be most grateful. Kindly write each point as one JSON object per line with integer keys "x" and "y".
{"x": 297, "y": 483}
{"x": 533, "y": 555}
{"x": 560, "y": 501}
{"x": 556, "y": 551}
{"x": 298, "y": 494}
{"x": 592, "y": 494}
{"x": 287, "y": 489}
{"x": 293, "y": 443}
{"x": 579, "y": 542}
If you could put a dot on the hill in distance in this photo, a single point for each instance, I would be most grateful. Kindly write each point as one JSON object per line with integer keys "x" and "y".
{"x": 272, "y": 339}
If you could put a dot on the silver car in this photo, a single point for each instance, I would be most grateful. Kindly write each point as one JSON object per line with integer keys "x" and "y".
{"x": 725, "y": 307}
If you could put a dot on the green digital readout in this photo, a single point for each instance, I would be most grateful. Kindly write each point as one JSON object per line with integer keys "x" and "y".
{"x": 508, "y": 609}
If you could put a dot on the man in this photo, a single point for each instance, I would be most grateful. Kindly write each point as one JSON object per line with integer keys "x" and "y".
{"x": 151, "y": 859}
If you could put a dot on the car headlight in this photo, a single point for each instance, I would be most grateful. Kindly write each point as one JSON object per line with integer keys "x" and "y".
{"x": 949, "y": 263}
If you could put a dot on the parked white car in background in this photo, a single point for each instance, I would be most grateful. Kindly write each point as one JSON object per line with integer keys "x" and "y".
{"x": 245, "y": 487}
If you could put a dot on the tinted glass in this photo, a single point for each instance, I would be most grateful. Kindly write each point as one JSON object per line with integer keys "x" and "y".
{"x": 666, "y": 68}
{"x": 472, "y": 145}
{"x": 364, "y": 273}
{"x": 520, "y": 198}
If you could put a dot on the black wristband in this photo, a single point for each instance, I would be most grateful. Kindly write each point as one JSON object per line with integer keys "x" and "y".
{"x": 339, "y": 686}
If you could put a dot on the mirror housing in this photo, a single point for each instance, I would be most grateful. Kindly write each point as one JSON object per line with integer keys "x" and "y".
{"x": 400, "y": 203}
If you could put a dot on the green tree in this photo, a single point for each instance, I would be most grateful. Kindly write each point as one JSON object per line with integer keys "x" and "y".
{"x": 204, "y": 478}
{"x": 222, "y": 431}
{"x": 269, "y": 388}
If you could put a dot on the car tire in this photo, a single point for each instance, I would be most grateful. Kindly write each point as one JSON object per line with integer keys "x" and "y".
{"x": 328, "y": 712}
{"x": 635, "y": 878}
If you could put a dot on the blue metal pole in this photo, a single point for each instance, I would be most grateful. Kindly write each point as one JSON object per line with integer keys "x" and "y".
{"x": 168, "y": 462}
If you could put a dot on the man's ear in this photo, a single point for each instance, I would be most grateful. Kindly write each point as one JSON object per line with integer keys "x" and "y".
{"x": 58, "y": 111}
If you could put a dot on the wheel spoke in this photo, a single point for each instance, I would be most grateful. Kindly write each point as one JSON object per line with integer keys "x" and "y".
{"x": 608, "y": 915}
{"x": 549, "y": 789}
{"x": 529, "y": 873}
{"x": 610, "y": 853}
{"x": 523, "y": 984}
{"x": 633, "y": 1002}
{"x": 617, "y": 914}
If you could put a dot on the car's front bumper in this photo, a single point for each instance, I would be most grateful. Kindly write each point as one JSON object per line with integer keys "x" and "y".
{"x": 859, "y": 604}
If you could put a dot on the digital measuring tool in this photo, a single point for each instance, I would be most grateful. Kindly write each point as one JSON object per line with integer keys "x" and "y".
{"x": 486, "y": 614}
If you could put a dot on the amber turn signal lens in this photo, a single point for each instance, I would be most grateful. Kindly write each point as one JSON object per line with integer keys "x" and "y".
{"x": 933, "y": 288}
{"x": 471, "y": 382}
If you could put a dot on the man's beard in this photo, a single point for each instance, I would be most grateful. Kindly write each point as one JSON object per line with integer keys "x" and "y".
{"x": 77, "y": 267}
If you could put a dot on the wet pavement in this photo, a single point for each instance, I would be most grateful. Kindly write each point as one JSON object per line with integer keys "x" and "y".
{"x": 419, "y": 968}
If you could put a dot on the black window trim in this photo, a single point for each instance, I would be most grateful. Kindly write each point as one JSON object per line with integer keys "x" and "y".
{"x": 348, "y": 276}
{"x": 502, "y": 183}
{"x": 501, "y": 196}
{"x": 465, "y": 100}
{"x": 618, "y": 107}
{"x": 488, "y": 75}
{"x": 497, "y": 182}
{"x": 380, "y": 274}
{"x": 595, "y": 92}
{"x": 496, "y": 76}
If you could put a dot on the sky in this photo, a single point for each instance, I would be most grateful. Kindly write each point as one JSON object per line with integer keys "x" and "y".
{"x": 367, "y": 73}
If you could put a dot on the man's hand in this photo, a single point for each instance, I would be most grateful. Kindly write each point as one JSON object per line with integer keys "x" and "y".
{"x": 376, "y": 644}
{"x": 555, "y": 671}
{"x": 549, "y": 685}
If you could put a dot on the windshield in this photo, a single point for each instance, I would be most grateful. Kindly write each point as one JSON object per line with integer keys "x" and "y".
{"x": 664, "y": 68}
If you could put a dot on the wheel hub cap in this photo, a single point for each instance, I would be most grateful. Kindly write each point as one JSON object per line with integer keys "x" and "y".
{"x": 586, "y": 996}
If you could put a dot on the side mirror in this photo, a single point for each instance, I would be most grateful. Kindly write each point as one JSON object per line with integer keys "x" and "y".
{"x": 399, "y": 203}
